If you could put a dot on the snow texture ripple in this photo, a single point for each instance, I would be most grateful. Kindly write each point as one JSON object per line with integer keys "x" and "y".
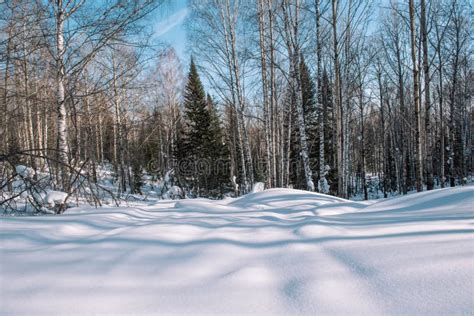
{"x": 276, "y": 252}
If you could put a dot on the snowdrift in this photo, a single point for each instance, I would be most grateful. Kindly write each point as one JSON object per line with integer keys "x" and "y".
{"x": 278, "y": 251}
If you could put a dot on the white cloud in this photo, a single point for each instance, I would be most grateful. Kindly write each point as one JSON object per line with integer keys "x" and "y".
{"x": 171, "y": 22}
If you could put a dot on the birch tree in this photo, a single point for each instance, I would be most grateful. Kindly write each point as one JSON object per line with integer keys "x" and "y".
{"x": 323, "y": 186}
{"x": 291, "y": 21}
{"x": 74, "y": 48}
{"x": 416, "y": 100}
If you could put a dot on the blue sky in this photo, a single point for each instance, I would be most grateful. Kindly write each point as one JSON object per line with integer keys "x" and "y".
{"x": 169, "y": 26}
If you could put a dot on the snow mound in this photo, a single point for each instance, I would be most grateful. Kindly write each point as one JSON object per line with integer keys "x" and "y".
{"x": 429, "y": 201}
{"x": 285, "y": 198}
{"x": 173, "y": 193}
{"x": 24, "y": 171}
{"x": 55, "y": 198}
{"x": 275, "y": 252}
{"x": 258, "y": 187}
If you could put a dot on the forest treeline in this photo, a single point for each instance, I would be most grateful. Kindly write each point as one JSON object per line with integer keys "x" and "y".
{"x": 346, "y": 97}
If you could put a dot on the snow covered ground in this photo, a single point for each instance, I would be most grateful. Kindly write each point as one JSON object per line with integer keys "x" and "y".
{"x": 274, "y": 252}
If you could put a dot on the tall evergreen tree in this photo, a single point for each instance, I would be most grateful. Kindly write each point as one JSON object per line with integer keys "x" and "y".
{"x": 191, "y": 141}
{"x": 329, "y": 131}
{"x": 200, "y": 146}
{"x": 196, "y": 112}
{"x": 218, "y": 153}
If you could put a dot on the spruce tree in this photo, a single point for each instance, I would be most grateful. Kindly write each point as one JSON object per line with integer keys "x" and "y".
{"x": 329, "y": 132}
{"x": 196, "y": 112}
{"x": 201, "y": 150}
{"x": 218, "y": 152}
{"x": 191, "y": 149}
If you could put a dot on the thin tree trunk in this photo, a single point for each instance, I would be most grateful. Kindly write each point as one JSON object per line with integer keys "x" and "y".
{"x": 5, "y": 116}
{"x": 266, "y": 110}
{"x": 294, "y": 55}
{"x": 62, "y": 145}
{"x": 286, "y": 139}
{"x": 240, "y": 110}
{"x": 382, "y": 121}
{"x": 273, "y": 99}
{"x": 338, "y": 105}
{"x": 452, "y": 100}
{"x": 416, "y": 97}
{"x": 247, "y": 171}
{"x": 28, "y": 110}
{"x": 402, "y": 125}
{"x": 323, "y": 186}
{"x": 427, "y": 79}
{"x": 362, "y": 143}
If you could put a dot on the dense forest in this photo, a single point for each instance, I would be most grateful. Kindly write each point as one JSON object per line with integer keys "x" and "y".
{"x": 354, "y": 98}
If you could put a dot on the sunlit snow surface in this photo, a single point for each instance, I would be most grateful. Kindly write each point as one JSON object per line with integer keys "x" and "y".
{"x": 274, "y": 252}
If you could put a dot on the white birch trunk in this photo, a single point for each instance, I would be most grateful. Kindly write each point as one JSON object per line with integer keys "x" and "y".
{"x": 416, "y": 97}
{"x": 61, "y": 121}
{"x": 323, "y": 185}
{"x": 266, "y": 110}
{"x": 294, "y": 55}
{"x": 338, "y": 107}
